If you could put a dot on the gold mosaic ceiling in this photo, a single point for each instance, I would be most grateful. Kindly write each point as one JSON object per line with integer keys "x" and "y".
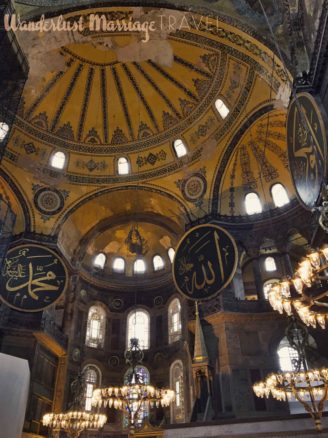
{"x": 101, "y": 97}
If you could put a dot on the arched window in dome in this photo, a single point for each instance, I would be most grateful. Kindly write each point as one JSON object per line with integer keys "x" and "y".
{"x": 143, "y": 411}
{"x": 96, "y": 327}
{"x": 92, "y": 379}
{"x": 267, "y": 286}
{"x": 288, "y": 361}
{"x": 123, "y": 166}
{"x": 4, "y": 129}
{"x": 174, "y": 316}
{"x": 180, "y": 148}
{"x": 176, "y": 383}
{"x": 158, "y": 263}
{"x": 221, "y": 108}
{"x": 119, "y": 264}
{"x": 58, "y": 160}
{"x": 99, "y": 261}
{"x": 171, "y": 254}
{"x": 138, "y": 325}
{"x": 279, "y": 195}
{"x": 253, "y": 203}
{"x": 139, "y": 266}
{"x": 270, "y": 264}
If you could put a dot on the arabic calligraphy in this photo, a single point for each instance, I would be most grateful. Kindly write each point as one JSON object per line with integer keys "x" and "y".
{"x": 33, "y": 277}
{"x": 205, "y": 261}
{"x": 306, "y": 148}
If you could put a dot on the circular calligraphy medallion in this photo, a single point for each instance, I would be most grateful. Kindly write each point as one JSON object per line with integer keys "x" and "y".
{"x": 205, "y": 262}
{"x": 117, "y": 303}
{"x": 33, "y": 278}
{"x": 48, "y": 201}
{"x": 194, "y": 187}
{"x": 307, "y": 148}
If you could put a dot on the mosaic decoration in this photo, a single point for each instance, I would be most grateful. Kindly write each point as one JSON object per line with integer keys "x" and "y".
{"x": 92, "y": 165}
{"x": 235, "y": 78}
{"x": 48, "y": 201}
{"x": 117, "y": 303}
{"x": 268, "y": 172}
{"x": 33, "y": 278}
{"x": 151, "y": 158}
{"x": 205, "y": 262}
{"x": 202, "y": 130}
{"x": 193, "y": 187}
{"x": 307, "y": 148}
{"x": 249, "y": 181}
{"x": 133, "y": 84}
{"x": 66, "y": 131}
{"x": 92, "y": 137}
{"x": 158, "y": 301}
{"x": 232, "y": 203}
{"x": 29, "y": 147}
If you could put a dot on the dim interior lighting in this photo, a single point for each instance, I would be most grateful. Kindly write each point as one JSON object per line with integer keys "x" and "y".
{"x": 308, "y": 386}
{"x": 74, "y": 422}
{"x": 136, "y": 393}
{"x": 306, "y": 292}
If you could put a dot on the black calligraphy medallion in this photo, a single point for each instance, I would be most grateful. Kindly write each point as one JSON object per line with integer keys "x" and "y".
{"x": 306, "y": 139}
{"x": 205, "y": 262}
{"x": 33, "y": 277}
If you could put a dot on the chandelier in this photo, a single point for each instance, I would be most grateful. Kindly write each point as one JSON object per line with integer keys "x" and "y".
{"x": 75, "y": 420}
{"x": 308, "y": 386}
{"x": 306, "y": 292}
{"x": 134, "y": 395}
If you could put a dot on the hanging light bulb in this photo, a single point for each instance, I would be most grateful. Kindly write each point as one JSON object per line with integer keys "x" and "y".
{"x": 310, "y": 275}
{"x": 134, "y": 393}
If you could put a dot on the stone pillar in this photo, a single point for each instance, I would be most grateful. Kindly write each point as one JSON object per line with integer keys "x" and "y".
{"x": 258, "y": 278}
{"x": 57, "y": 405}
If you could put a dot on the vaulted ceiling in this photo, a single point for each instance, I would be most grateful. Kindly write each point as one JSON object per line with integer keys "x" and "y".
{"x": 98, "y": 97}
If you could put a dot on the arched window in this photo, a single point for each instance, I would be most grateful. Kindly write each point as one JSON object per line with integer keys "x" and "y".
{"x": 123, "y": 166}
{"x": 58, "y": 160}
{"x": 158, "y": 263}
{"x": 4, "y": 128}
{"x": 222, "y": 108}
{"x": 279, "y": 195}
{"x": 96, "y": 327}
{"x": 139, "y": 266}
{"x": 270, "y": 264}
{"x": 287, "y": 355}
{"x": 171, "y": 254}
{"x": 119, "y": 264}
{"x": 288, "y": 360}
{"x": 99, "y": 261}
{"x": 180, "y": 148}
{"x": 143, "y": 411}
{"x": 138, "y": 327}
{"x": 174, "y": 316}
{"x": 92, "y": 379}
{"x": 267, "y": 286}
{"x": 176, "y": 383}
{"x": 253, "y": 203}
